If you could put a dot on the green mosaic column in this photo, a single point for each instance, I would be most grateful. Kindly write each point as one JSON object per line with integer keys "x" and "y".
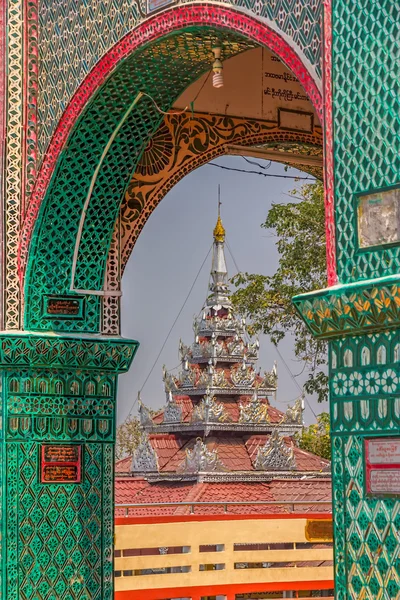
{"x": 361, "y": 315}
{"x": 57, "y": 440}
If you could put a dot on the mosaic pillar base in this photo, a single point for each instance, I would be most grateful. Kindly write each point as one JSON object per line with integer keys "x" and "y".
{"x": 57, "y": 443}
{"x": 361, "y": 322}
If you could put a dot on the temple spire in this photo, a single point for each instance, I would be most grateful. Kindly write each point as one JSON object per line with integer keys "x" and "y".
{"x": 219, "y": 290}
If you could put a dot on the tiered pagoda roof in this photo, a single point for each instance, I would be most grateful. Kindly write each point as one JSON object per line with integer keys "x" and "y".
{"x": 218, "y": 425}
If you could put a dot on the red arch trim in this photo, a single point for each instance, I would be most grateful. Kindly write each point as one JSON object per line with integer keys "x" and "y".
{"x": 152, "y": 29}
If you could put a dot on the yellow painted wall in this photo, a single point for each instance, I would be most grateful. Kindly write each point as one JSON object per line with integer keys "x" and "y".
{"x": 227, "y": 533}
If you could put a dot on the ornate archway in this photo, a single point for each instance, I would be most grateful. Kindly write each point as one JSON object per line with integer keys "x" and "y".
{"x": 122, "y": 120}
{"x": 68, "y": 227}
{"x": 75, "y": 73}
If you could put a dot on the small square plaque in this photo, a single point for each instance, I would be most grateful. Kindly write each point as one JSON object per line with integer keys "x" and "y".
{"x": 65, "y": 307}
{"x": 154, "y": 5}
{"x": 378, "y": 217}
{"x": 61, "y": 463}
{"x": 382, "y": 466}
{"x": 319, "y": 530}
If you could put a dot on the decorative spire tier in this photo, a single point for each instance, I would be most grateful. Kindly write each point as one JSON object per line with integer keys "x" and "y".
{"x": 218, "y": 422}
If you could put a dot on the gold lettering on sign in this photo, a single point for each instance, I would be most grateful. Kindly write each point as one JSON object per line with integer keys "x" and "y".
{"x": 61, "y": 463}
{"x": 60, "y": 473}
{"x": 60, "y": 306}
{"x": 61, "y": 454}
{"x": 319, "y": 530}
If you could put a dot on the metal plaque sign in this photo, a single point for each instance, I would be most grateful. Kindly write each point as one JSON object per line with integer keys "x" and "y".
{"x": 68, "y": 307}
{"x": 382, "y": 466}
{"x": 61, "y": 463}
{"x": 155, "y": 5}
{"x": 319, "y": 530}
{"x": 378, "y": 218}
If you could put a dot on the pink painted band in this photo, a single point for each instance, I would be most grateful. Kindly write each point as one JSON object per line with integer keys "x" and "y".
{"x": 328, "y": 148}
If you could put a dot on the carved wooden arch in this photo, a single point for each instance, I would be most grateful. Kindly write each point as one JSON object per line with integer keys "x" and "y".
{"x": 183, "y": 143}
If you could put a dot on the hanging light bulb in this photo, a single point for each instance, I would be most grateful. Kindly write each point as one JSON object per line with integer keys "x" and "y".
{"x": 218, "y": 78}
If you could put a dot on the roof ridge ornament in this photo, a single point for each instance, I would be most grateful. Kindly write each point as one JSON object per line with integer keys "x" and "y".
{"x": 209, "y": 410}
{"x": 294, "y": 414}
{"x": 254, "y": 411}
{"x": 172, "y": 411}
{"x": 275, "y": 455}
{"x": 144, "y": 459}
{"x": 201, "y": 460}
{"x": 145, "y": 417}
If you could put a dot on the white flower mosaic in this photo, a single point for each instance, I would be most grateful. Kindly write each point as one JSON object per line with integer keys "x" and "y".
{"x": 389, "y": 381}
{"x": 373, "y": 382}
{"x": 340, "y": 384}
{"x": 355, "y": 383}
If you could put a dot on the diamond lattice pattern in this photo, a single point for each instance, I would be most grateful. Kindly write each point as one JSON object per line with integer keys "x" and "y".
{"x": 366, "y": 45}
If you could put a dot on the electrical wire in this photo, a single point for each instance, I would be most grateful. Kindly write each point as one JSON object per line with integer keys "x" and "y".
{"x": 201, "y": 88}
{"x": 178, "y": 112}
{"x": 160, "y": 110}
{"x": 169, "y": 332}
{"x": 257, "y": 164}
{"x": 212, "y": 164}
{"x": 231, "y": 255}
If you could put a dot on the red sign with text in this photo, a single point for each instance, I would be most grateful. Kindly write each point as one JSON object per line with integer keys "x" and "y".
{"x": 382, "y": 466}
{"x": 61, "y": 463}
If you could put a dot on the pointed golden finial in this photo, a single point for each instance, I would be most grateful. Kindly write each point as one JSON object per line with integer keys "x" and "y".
{"x": 219, "y": 231}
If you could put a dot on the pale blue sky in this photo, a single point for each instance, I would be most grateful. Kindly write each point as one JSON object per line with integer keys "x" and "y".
{"x": 167, "y": 257}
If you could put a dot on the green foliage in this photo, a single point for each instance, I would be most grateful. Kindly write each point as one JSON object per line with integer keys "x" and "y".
{"x": 266, "y": 301}
{"x": 316, "y": 438}
{"x": 128, "y": 436}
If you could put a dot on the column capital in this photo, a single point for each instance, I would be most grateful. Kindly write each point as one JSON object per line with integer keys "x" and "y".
{"x": 30, "y": 349}
{"x": 357, "y": 308}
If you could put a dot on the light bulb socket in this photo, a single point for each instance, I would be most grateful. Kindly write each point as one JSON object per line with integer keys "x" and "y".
{"x": 218, "y": 78}
{"x": 217, "y": 52}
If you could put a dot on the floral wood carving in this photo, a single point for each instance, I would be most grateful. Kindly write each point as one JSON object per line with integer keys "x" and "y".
{"x": 183, "y": 143}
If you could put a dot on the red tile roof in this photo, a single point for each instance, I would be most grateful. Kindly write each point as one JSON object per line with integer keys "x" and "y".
{"x": 236, "y": 453}
{"x": 231, "y": 406}
{"x": 123, "y": 466}
{"x": 140, "y": 491}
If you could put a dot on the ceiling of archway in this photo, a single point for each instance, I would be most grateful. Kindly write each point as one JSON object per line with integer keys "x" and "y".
{"x": 264, "y": 112}
{"x": 258, "y": 85}
{"x": 75, "y": 34}
{"x": 279, "y": 125}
